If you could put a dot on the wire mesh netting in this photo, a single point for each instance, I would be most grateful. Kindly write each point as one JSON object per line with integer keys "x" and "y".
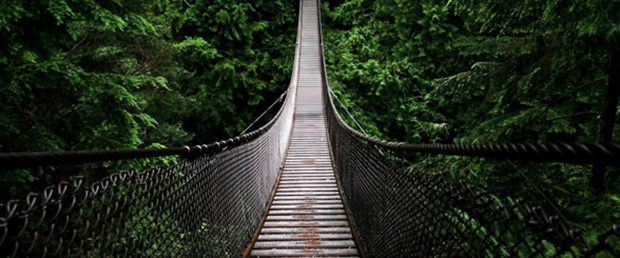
{"x": 205, "y": 206}
{"x": 400, "y": 213}
{"x": 208, "y": 206}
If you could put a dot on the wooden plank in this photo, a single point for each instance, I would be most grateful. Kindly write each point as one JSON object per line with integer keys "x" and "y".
{"x": 308, "y": 185}
{"x": 304, "y": 252}
{"x": 315, "y": 171}
{"x": 305, "y": 244}
{"x": 304, "y": 201}
{"x": 308, "y": 176}
{"x": 302, "y": 236}
{"x": 302, "y": 217}
{"x": 329, "y": 174}
{"x": 300, "y": 167}
{"x": 305, "y": 193}
{"x": 307, "y": 206}
{"x": 308, "y": 168}
{"x": 311, "y": 179}
{"x": 329, "y": 170}
{"x": 307, "y": 180}
{"x": 307, "y": 212}
{"x": 311, "y": 190}
{"x": 296, "y": 224}
{"x": 307, "y": 197}
{"x": 307, "y": 217}
{"x": 293, "y": 230}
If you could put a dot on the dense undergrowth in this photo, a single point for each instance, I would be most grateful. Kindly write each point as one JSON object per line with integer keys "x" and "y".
{"x": 460, "y": 71}
{"x": 124, "y": 74}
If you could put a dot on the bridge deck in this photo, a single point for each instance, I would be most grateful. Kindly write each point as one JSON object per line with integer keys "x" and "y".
{"x": 307, "y": 216}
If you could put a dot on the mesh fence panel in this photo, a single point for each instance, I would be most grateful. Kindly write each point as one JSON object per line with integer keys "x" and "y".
{"x": 401, "y": 213}
{"x": 208, "y": 206}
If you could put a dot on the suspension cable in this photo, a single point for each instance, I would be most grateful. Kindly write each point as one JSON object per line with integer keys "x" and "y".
{"x": 278, "y": 100}
{"x": 346, "y": 110}
{"x": 540, "y": 192}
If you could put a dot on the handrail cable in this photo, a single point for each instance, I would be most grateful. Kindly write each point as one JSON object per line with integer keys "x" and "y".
{"x": 580, "y": 153}
{"x": 207, "y": 203}
{"x": 40, "y": 159}
{"x": 17, "y": 160}
{"x": 574, "y": 152}
{"x": 399, "y": 212}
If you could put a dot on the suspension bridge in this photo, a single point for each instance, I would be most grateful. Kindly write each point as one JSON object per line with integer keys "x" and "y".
{"x": 304, "y": 184}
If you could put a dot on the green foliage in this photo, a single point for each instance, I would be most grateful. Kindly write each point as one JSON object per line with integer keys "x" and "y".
{"x": 104, "y": 75}
{"x": 467, "y": 71}
{"x": 239, "y": 62}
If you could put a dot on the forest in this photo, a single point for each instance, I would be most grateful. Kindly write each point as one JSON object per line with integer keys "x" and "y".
{"x": 106, "y": 75}
{"x": 124, "y": 74}
{"x": 461, "y": 71}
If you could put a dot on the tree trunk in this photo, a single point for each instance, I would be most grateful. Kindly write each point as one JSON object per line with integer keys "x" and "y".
{"x": 608, "y": 117}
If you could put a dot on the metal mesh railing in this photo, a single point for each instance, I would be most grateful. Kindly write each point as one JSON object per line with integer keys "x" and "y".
{"x": 204, "y": 207}
{"x": 398, "y": 211}
{"x": 207, "y": 205}
{"x": 210, "y": 204}
{"x": 403, "y": 213}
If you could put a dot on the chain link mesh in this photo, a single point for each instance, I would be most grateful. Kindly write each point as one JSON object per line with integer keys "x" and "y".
{"x": 402, "y": 213}
{"x": 203, "y": 207}
{"x": 207, "y": 206}
{"x": 210, "y": 205}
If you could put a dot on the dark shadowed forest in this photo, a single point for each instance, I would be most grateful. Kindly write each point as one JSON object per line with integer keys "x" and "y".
{"x": 461, "y": 71}
{"x": 125, "y": 74}
{"x": 105, "y": 75}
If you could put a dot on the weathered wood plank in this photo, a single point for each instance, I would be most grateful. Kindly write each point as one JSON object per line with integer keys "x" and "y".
{"x": 306, "y": 193}
{"x": 305, "y": 244}
{"x": 293, "y": 230}
{"x": 307, "y": 206}
{"x": 305, "y": 201}
{"x": 307, "y": 217}
{"x": 308, "y": 189}
{"x": 304, "y": 252}
{"x": 296, "y": 224}
{"x": 304, "y": 236}
{"x": 305, "y": 184}
{"x": 306, "y": 197}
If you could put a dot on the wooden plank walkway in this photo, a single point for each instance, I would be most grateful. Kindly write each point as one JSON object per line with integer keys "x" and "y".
{"x": 307, "y": 216}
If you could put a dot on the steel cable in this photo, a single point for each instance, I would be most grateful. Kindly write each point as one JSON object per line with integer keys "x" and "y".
{"x": 402, "y": 213}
